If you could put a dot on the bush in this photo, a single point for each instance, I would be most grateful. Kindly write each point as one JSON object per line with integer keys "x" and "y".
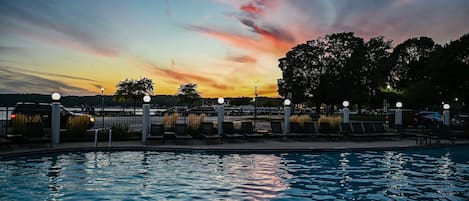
{"x": 120, "y": 131}
{"x": 19, "y": 123}
{"x": 333, "y": 121}
{"x": 170, "y": 120}
{"x": 301, "y": 119}
{"x": 76, "y": 127}
{"x": 193, "y": 123}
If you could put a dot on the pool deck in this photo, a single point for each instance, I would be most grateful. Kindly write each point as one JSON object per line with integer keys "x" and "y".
{"x": 262, "y": 146}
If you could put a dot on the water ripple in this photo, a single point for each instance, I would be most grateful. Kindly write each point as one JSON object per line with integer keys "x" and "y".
{"x": 430, "y": 174}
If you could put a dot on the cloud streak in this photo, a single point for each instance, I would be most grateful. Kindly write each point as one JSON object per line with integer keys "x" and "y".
{"x": 243, "y": 59}
{"x": 48, "y": 23}
{"x": 14, "y": 81}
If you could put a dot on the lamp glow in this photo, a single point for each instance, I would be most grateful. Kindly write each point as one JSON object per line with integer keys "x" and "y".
{"x": 345, "y": 103}
{"x": 287, "y": 102}
{"x": 55, "y": 96}
{"x": 446, "y": 106}
{"x": 399, "y": 104}
{"x": 221, "y": 100}
{"x": 146, "y": 99}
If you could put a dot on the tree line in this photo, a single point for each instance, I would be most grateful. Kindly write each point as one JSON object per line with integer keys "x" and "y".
{"x": 342, "y": 66}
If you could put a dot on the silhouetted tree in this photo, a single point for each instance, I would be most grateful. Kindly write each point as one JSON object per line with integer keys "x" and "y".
{"x": 409, "y": 61}
{"x": 450, "y": 69}
{"x": 188, "y": 94}
{"x": 134, "y": 90}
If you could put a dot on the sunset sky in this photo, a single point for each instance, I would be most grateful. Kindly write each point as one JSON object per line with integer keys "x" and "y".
{"x": 225, "y": 46}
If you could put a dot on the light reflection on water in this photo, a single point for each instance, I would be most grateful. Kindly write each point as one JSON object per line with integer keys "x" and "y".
{"x": 391, "y": 175}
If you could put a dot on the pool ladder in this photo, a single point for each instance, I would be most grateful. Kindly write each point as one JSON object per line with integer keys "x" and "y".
{"x": 96, "y": 133}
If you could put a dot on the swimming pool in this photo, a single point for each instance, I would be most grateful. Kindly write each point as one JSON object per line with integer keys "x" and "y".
{"x": 137, "y": 175}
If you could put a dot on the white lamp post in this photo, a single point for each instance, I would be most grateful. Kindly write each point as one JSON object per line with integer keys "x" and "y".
{"x": 146, "y": 118}
{"x": 102, "y": 109}
{"x": 446, "y": 114}
{"x": 398, "y": 117}
{"x": 221, "y": 115}
{"x": 346, "y": 112}
{"x": 55, "y": 118}
{"x": 286, "y": 116}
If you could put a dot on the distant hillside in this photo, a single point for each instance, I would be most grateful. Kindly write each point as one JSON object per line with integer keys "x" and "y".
{"x": 95, "y": 101}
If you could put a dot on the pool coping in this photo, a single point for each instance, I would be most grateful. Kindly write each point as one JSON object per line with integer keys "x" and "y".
{"x": 217, "y": 150}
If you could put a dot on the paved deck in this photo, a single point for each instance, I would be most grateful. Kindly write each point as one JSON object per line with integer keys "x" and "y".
{"x": 265, "y": 146}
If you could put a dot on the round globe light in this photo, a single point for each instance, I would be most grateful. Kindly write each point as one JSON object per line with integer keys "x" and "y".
{"x": 287, "y": 102}
{"x": 399, "y": 104}
{"x": 221, "y": 100}
{"x": 55, "y": 96}
{"x": 446, "y": 106}
{"x": 146, "y": 99}
{"x": 345, "y": 103}
{"x": 102, "y": 89}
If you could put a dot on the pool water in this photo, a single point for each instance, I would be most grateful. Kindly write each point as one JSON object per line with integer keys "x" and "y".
{"x": 420, "y": 174}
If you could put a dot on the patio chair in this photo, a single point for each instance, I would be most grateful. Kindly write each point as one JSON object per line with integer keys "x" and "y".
{"x": 181, "y": 133}
{"x": 310, "y": 128}
{"x": 209, "y": 132}
{"x": 368, "y": 127}
{"x": 34, "y": 133}
{"x": 328, "y": 131}
{"x": 5, "y": 141}
{"x": 277, "y": 130}
{"x": 379, "y": 128}
{"x": 248, "y": 130}
{"x": 156, "y": 133}
{"x": 229, "y": 131}
{"x": 296, "y": 131}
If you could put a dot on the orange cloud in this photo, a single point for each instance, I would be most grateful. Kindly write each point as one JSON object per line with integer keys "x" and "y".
{"x": 267, "y": 43}
{"x": 186, "y": 77}
{"x": 268, "y": 90}
{"x": 243, "y": 59}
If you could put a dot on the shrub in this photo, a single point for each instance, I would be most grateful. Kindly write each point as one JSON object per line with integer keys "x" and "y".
{"x": 19, "y": 123}
{"x": 193, "y": 123}
{"x": 301, "y": 119}
{"x": 120, "y": 131}
{"x": 170, "y": 120}
{"x": 333, "y": 121}
{"x": 77, "y": 126}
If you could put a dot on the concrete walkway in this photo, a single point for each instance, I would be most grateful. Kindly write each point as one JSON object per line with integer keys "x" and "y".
{"x": 265, "y": 146}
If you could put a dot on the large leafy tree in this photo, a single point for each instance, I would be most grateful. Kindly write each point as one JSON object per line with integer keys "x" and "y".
{"x": 188, "y": 94}
{"x": 409, "y": 61}
{"x": 333, "y": 68}
{"x": 133, "y": 90}
{"x": 409, "y": 71}
{"x": 450, "y": 69}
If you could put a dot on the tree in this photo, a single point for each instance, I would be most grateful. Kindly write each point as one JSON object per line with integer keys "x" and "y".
{"x": 134, "y": 90}
{"x": 450, "y": 69}
{"x": 188, "y": 94}
{"x": 409, "y": 61}
{"x": 333, "y": 68}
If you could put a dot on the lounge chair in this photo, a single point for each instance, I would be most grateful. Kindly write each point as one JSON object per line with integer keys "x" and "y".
{"x": 368, "y": 127}
{"x": 277, "y": 130}
{"x": 296, "y": 131}
{"x": 230, "y": 132}
{"x": 209, "y": 132}
{"x": 156, "y": 133}
{"x": 248, "y": 130}
{"x": 328, "y": 131}
{"x": 5, "y": 141}
{"x": 181, "y": 133}
{"x": 310, "y": 128}
{"x": 35, "y": 134}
